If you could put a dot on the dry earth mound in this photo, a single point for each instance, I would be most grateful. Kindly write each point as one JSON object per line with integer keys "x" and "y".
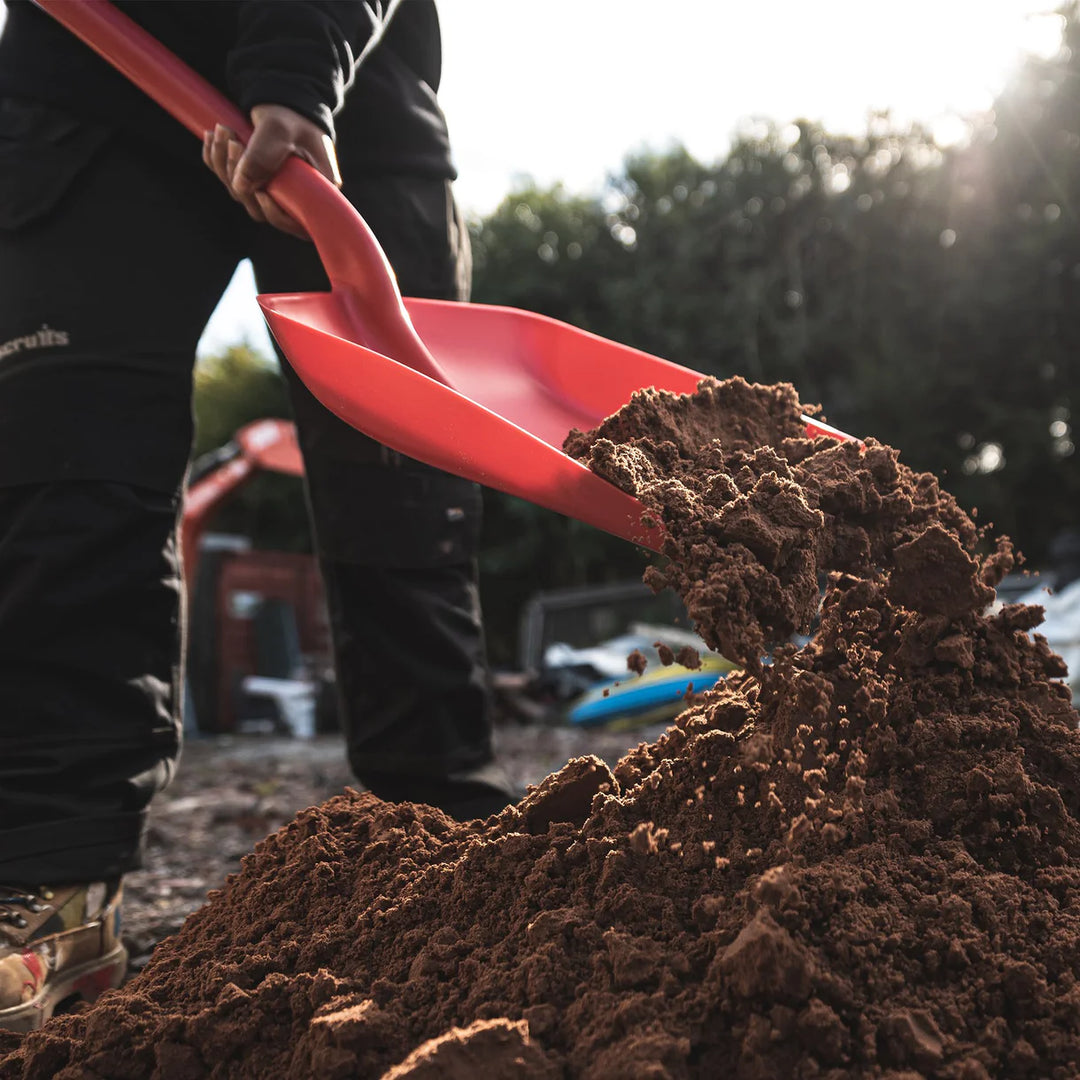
{"x": 859, "y": 859}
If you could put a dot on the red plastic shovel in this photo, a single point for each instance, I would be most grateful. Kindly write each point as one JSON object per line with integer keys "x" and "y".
{"x": 488, "y": 393}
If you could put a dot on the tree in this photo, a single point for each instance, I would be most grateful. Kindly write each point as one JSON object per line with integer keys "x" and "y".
{"x": 232, "y": 389}
{"x": 924, "y": 296}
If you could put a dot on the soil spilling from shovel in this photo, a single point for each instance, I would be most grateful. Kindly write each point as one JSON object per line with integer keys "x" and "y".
{"x": 860, "y": 858}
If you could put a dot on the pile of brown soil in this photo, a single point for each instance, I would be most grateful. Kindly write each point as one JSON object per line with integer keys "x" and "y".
{"x": 859, "y": 859}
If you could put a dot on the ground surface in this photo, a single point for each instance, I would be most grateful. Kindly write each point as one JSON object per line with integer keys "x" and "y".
{"x": 230, "y": 792}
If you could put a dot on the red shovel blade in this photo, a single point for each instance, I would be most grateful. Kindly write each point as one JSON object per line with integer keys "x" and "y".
{"x": 561, "y": 378}
{"x": 512, "y": 386}
{"x": 487, "y": 393}
{"x": 435, "y": 421}
{"x": 541, "y": 374}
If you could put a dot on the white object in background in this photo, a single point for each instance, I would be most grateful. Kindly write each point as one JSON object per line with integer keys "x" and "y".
{"x": 1061, "y": 626}
{"x": 294, "y": 700}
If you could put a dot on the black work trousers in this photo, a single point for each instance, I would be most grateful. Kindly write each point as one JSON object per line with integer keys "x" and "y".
{"x": 112, "y": 258}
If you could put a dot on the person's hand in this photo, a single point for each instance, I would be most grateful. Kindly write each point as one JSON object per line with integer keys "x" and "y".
{"x": 245, "y": 171}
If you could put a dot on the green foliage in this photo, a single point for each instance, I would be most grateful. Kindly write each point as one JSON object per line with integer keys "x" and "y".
{"x": 232, "y": 389}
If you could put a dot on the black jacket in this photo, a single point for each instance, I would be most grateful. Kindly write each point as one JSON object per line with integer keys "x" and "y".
{"x": 299, "y": 53}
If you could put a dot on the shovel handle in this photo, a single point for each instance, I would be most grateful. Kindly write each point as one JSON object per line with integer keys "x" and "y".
{"x": 353, "y": 259}
{"x": 146, "y": 62}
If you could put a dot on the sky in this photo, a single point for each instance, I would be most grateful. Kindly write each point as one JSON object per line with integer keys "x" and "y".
{"x": 563, "y": 90}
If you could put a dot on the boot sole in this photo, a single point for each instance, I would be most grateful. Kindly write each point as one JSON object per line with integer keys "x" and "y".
{"x": 87, "y": 982}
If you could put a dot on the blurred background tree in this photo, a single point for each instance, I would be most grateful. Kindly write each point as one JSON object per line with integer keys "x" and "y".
{"x": 927, "y": 296}
{"x": 232, "y": 389}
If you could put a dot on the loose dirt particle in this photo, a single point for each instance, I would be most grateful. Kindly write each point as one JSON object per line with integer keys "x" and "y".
{"x": 688, "y": 657}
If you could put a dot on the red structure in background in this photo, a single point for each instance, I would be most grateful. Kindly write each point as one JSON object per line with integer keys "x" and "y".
{"x": 262, "y": 444}
{"x": 269, "y": 621}
{"x": 256, "y": 617}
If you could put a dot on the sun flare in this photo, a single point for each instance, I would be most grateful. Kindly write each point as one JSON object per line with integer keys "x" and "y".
{"x": 942, "y": 61}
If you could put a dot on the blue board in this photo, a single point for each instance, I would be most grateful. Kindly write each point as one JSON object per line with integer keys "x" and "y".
{"x": 654, "y": 695}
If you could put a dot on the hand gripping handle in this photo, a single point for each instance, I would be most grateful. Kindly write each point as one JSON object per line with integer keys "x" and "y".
{"x": 354, "y": 262}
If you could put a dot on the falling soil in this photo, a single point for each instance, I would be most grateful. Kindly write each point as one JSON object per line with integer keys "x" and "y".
{"x": 687, "y": 656}
{"x": 858, "y": 859}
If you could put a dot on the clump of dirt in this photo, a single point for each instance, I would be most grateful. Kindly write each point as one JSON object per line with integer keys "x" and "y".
{"x": 860, "y": 859}
{"x": 687, "y": 656}
{"x": 665, "y": 653}
{"x": 755, "y": 512}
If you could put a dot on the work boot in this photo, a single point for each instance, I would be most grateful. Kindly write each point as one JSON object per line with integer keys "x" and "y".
{"x": 474, "y": 793}
{"x": 57, "y": 946}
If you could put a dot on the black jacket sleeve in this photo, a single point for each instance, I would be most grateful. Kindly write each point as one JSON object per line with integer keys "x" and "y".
{"x": 302, "y": 53}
